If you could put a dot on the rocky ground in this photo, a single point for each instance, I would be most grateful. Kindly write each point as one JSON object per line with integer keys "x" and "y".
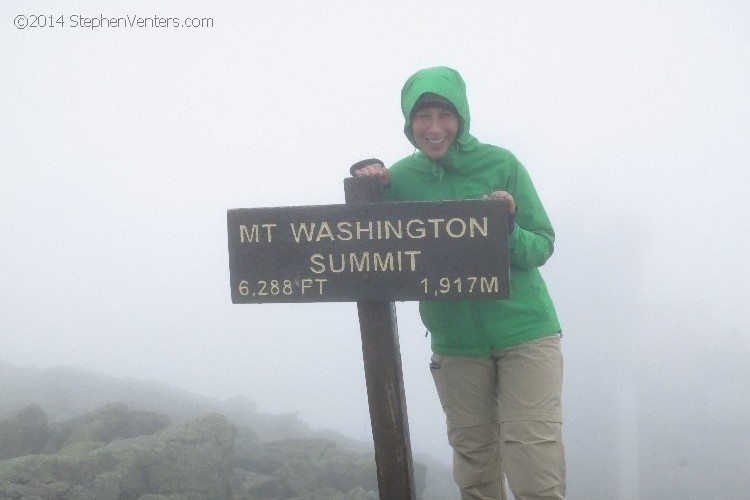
{"x": 116, "y": 453}
{"x": 67, "y": 434}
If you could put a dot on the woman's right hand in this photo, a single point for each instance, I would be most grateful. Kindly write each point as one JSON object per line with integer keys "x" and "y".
{"x": 371, "y": 168}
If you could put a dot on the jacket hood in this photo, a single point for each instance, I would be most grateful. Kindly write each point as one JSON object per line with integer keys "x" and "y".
{"x": 445, "y": 82}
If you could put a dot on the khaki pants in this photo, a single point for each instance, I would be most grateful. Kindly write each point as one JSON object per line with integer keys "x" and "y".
{"x": 504, "y": 417}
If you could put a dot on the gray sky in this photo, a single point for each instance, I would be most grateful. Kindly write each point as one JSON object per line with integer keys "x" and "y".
{"x": 122, "y": 149}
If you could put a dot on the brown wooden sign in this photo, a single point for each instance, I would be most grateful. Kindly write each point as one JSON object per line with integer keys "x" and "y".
{"x": 443, "y": 250}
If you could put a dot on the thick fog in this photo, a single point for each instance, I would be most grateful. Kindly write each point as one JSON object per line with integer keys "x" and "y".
{"x": 121, "y": 148}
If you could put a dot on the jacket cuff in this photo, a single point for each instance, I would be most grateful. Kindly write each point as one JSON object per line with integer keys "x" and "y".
{"x": 364, "y": 163}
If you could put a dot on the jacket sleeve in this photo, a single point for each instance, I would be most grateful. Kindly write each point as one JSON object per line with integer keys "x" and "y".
{"x": 532, "y": 241}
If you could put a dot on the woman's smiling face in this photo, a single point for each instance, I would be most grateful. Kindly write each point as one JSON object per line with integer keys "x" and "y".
{"x": 435, "y": 129}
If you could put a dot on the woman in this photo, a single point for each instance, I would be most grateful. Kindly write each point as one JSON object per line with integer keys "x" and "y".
{"x": 497, "y": 365}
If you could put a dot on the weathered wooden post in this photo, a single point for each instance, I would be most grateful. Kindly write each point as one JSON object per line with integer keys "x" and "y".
{"x": 383, "y": 376}
{"x": 373, "y": 253}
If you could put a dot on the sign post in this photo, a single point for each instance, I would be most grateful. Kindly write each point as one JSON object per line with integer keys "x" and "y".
{"x": 373, "y": 253}
{"x": 383, "y": 376}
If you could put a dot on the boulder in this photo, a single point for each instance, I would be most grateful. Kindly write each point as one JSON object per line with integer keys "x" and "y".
{"x": 24, "y": 432}
{"x": 306, "y": 466}
{"x": 249, "y": 485}
{"x": 110, "y": 423}
{"x": 333, "y": 494}
{"x": 189, "y": 462}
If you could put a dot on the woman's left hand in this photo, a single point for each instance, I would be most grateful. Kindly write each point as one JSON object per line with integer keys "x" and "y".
{"x": 502, "y": 195}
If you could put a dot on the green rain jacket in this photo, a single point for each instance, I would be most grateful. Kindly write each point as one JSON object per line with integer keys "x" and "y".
{"x": 471, "y": 169}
